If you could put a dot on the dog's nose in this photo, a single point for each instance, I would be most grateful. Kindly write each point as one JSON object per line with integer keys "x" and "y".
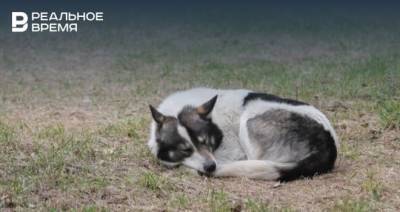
{"x": 210, "y": 166}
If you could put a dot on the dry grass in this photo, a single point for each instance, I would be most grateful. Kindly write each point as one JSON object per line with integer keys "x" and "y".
{"x": 74, "y": 118}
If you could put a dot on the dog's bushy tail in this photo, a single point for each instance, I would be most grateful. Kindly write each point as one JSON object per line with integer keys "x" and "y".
{"x": 316, "y": 163}
{"x": 255, "y": 169}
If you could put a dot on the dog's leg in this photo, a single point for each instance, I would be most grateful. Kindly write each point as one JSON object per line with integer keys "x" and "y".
{"x": 255, "y": 169}
{"x": 244, "y": 139}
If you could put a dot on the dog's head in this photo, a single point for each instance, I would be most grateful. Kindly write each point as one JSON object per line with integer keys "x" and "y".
{"x": 189, "y": 139}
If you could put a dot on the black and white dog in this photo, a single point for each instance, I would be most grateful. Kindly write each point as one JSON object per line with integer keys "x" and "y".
{"x": 242, "y": 133}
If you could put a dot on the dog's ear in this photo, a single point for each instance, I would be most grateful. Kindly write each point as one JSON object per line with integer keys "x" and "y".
{"x": 157, "y": 116}
{"x": 207, "y": 107}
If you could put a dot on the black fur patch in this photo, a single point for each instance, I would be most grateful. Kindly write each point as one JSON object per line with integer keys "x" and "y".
{"x": 270, "y": 98}
{"x": 321, "y": 144}
{"x": 199, "y": 126}
{"x": 172, "y": 147}
{"x": 211, "y": 131}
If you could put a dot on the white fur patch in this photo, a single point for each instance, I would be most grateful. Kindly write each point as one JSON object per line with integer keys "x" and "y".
{"x": 195, "y": 161}
{"x": 183, "y": 132}
{"x": 255, "y": 169}
{"x": 168, "y": 164}
{"x": 152, "y": 143}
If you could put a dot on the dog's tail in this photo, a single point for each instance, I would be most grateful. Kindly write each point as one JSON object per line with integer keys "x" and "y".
{"x": 315, "y": 163}
{"x": 255, "y": 169}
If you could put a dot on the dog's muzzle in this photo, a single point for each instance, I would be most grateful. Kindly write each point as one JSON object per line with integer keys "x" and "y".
{"x": 209, "y": 168}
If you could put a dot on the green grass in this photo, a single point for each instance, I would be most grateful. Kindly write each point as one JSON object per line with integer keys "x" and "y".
{"x": 373, "y": 186}
{"x": 349, "y": 150}
{"x": 256, "y": 206}
{"x": 7, "y": 134}
{"x": 180, "y": 201}
{"x": 89, "y": 208}
{"x": 218, "y": 201}
{"x": 351, "y": 205}
{"x": 59, "y": 160}
{"x": 389, "y": 113}
{"x": 131, "y": 134}
{"x": 60, "y": 164}
{"x": 154, "y": 182}
{"x": 53, "y": 132}
{"x": 125, "y": 128}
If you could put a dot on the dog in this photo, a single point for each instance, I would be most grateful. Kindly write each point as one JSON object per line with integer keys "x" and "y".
{"x": 241, "y": 133}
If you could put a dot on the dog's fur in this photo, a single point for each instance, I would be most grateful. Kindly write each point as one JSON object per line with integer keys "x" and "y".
{"x": 242, "y": 133}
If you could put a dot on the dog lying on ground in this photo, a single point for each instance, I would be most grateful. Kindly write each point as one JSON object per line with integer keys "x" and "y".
{"x": 225, "y": 133}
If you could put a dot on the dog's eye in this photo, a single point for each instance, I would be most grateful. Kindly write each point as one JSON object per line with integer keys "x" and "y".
{"x": 187, "y": 150}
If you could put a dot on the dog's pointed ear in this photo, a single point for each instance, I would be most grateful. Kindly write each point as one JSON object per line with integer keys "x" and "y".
{"x": 207, "y": 107}
{"x": 157, "y": 116}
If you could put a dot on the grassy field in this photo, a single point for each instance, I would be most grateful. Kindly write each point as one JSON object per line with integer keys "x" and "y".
{"x": 74, "y": 117}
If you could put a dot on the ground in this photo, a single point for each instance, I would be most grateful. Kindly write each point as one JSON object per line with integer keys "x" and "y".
{"x": 74, "y": 118}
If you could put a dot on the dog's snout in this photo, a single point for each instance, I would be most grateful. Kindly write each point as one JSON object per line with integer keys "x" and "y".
{"x": 210, "y": 166}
